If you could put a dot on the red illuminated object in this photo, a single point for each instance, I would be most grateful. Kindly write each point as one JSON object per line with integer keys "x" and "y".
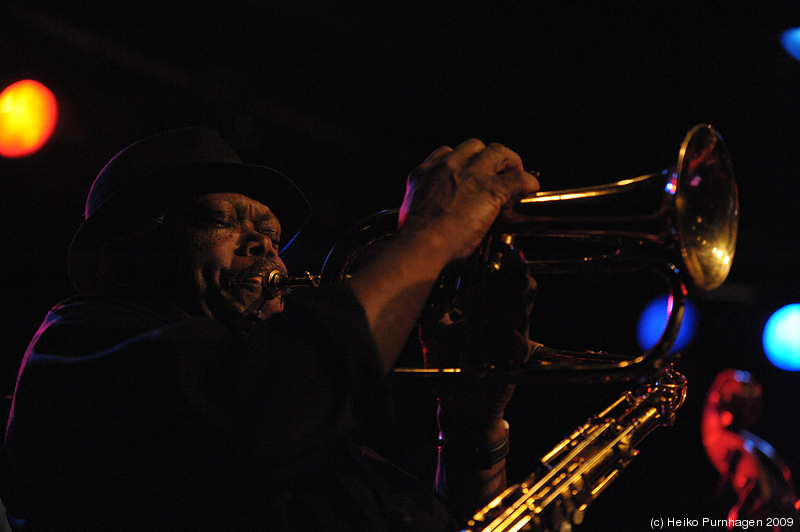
{"x": 28, "y": 114}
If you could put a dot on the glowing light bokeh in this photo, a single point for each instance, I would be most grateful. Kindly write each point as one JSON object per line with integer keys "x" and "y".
{"x": 790, "y": 40}
{"x": 781, "y": 338}
{"x": 28, "y": 114}
{"x": 653, "y": 321}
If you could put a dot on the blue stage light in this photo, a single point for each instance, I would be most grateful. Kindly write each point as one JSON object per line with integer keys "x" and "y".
{"x": 782, "y": 338}
{"x": 790, "y": 39}
{"x": 653, "y": 321}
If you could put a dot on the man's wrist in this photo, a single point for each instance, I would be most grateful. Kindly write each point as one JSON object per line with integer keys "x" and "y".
{"x": 474, "y": 453}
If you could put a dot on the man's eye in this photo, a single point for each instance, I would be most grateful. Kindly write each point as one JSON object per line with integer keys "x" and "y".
{"x": 215, "y": 221}
{"x": 221, "y": 219}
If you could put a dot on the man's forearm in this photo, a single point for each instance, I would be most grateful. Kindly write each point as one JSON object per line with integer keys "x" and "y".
{"x": 393, "y": 289}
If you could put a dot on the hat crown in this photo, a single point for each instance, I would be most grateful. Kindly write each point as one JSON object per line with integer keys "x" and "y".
{"x": 171, "y": 149}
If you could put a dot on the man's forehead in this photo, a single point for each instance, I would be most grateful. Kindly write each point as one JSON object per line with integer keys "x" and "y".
{"x": 241, "y": 203}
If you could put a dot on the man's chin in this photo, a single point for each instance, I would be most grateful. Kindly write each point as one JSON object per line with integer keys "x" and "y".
{"x": 245, "y": 306}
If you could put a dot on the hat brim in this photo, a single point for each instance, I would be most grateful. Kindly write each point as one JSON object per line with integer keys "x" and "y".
{"x": 260, "y": 183}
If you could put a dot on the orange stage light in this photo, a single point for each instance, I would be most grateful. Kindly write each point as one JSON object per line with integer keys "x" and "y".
{"x": 28, "y": 114}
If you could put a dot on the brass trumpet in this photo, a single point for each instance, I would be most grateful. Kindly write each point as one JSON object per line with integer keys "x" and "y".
{"x": 680, "y": 223}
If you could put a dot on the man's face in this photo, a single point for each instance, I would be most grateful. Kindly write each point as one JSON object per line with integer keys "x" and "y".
{"x": 232, "y": 243}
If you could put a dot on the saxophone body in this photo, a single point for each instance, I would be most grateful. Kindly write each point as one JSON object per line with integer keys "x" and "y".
{"x": 584, "y": 464}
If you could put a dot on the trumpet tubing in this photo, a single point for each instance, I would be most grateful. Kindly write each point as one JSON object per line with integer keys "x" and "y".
{"x": 680, "y": 223}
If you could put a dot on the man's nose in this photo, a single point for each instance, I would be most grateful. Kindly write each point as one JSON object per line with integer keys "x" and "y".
{"x": 259, "y": 245}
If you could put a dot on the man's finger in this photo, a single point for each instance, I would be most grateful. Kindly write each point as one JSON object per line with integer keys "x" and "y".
{"x": 437, "y": 154}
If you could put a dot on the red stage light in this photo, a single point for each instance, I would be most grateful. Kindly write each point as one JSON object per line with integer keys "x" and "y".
{"x": 28, "y": 114}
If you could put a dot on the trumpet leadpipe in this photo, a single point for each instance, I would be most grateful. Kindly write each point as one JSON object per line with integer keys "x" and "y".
{"x": 278, "y": 282}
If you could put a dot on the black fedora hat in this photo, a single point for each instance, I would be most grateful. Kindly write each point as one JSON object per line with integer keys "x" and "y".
{"x": 186, "y": 161}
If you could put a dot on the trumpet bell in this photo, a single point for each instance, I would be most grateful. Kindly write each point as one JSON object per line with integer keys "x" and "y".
{"x": 706, "y": 207}
{"x": 687, "y": 213}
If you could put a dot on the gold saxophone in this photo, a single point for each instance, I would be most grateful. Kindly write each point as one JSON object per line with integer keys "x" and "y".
{"x": 582, "y": 466}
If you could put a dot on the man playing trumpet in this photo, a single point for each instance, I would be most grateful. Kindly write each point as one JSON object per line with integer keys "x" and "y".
{"x": 175, "y": 392}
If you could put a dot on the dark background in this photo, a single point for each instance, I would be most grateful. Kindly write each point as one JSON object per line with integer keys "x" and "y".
{"x": 347, "y": 99}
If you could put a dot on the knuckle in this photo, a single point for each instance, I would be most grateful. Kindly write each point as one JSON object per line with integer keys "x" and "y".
{"x": 473, "y": 143}
{"x": 496, "y": 146}
{"x": 451, "y": 164}
{"x": 469, "y": 148}
{"x": 441, "y": 151}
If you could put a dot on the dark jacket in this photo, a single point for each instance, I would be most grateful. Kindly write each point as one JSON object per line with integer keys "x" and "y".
{"x": 125, "y": 419}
